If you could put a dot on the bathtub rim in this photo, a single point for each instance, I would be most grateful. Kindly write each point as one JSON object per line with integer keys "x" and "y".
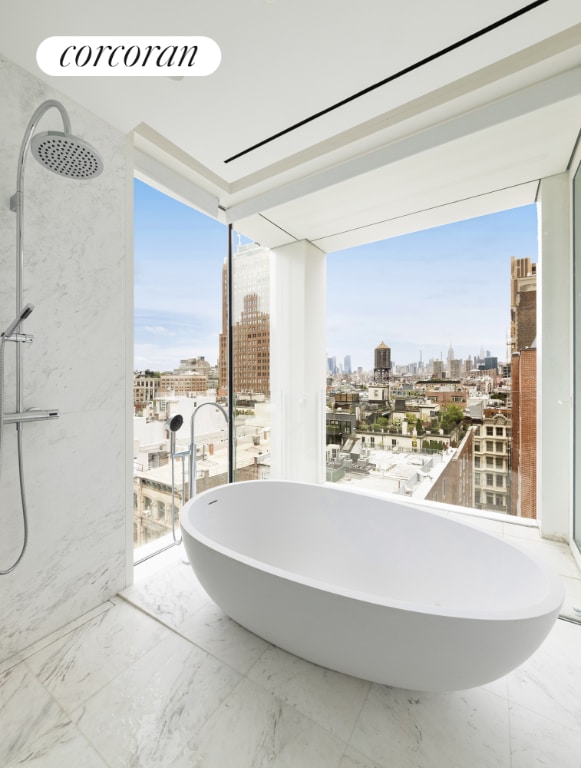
{"x": 550, "y": 603}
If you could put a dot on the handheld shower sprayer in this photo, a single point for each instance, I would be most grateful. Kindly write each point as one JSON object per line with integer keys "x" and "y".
{"x": 26, "y": 311}
{"x": 173, "y": 425}
{"x": 176, "y": 422}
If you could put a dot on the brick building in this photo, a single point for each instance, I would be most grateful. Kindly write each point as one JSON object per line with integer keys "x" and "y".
{"x": 251, "y": 354}
{"x": 523, "y": 303}
{"x": 492, "y": 461}
{"x": 251, "y": 322}
{"x": 524, "y": 433}
{"x": 182, "y": 383}
{"x": 145, "y": 387}
{"x": 455, "y": 484}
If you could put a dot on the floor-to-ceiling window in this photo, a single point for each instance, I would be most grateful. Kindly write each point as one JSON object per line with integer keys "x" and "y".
{"x": 432, "y": 364}
{"x": 182, "y": 329}
{"x": 179, "y": 255}
{"x": 250, "y": 380}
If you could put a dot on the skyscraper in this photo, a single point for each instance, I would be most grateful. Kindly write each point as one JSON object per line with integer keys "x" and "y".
{"x": 250, "y": 321}
{"x": 523, "y": 331}
{"x": 450, "y": 358}
{"x": 523, "y": 303}
{"x": 437, "y": 369}
{"x": 347, "y": 364}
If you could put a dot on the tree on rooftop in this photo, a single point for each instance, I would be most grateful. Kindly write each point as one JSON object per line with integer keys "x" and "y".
{"x": 452, "y": 416}
{"x": 454, "y": 412}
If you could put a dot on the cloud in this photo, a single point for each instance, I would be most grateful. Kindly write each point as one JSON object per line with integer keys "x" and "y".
{"x": 158, "y": 330}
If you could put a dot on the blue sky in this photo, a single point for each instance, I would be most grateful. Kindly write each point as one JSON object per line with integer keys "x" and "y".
{"x": 423, "y": 291}
{"x": 428, "y": 290}
{"x": 178, "y": 270}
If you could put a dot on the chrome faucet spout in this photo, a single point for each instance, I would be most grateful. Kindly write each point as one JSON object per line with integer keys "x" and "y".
{"x": 192, "y": 476}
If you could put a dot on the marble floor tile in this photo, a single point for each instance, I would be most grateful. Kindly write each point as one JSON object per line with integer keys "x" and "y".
{"x": 354, "y": 759}
{"x": 170, "y": 592}
{"x": 409, "y": 729}
{"x": 549, "y": 683}
{"x": 117, "y": 689}
{"x": 149, "y": 715}
{"x": 219, "y": 635}
{"x": 255, "y": 729}
{"x": 76, "y": 666}
{"x": 60, "y": 748}
{"x": 538, "y": 742}
{"x": 30, "y": 719}
{"x": 40, "y": 644}
{"x": 173, "y": 594}
{"x": 331, "y": 699}
{"x": 498, "y": 686}
{"x": 557, "y": 556}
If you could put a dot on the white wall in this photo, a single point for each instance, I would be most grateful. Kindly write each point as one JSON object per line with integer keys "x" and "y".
{"x": 75, "y": 273}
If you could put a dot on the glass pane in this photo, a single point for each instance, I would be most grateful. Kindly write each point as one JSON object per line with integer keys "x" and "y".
{"x": 577, "y": 342}
{"x": 179, "y": 254}
{"x": 432, "y": 364}
{"x": 251, "y": 357}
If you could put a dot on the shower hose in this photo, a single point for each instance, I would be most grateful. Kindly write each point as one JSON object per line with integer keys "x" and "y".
{"x": 20, "y": 462}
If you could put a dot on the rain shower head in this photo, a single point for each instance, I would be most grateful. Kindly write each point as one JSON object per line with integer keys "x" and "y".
{"x": 66, "y": 155}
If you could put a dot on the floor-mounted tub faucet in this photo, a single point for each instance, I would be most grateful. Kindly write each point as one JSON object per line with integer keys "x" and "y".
{"x": 192, "y": 477}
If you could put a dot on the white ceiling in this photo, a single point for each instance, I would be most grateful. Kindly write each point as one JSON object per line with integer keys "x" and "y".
{"x": 469, "y": 132}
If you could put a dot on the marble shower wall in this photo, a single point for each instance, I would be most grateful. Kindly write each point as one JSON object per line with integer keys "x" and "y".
{"x": 75, "y": 273}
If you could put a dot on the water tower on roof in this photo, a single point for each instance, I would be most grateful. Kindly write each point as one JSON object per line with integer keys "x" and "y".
{"x": 382, "y": 366}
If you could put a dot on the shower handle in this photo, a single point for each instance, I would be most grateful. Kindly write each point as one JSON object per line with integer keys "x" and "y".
{"x": 34, "y": 414}
{"x": 22, "y": 338}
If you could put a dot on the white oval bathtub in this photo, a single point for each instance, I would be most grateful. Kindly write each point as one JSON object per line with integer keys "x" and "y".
{"x": 373, "y": 588}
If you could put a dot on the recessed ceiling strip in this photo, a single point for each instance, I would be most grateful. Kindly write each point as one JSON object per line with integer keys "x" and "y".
{"x": 405, "y": 71}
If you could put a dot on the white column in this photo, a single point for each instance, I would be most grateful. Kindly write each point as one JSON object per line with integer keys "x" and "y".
{"x": 555, "y": 366}
{"x": 298, "y": 362}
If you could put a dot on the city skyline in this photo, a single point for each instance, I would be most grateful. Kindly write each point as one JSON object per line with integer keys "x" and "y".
{"x": 418, "y": 292}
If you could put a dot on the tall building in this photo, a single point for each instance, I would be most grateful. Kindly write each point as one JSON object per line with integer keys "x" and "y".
{"x": 437, "y": 369}
{"x": 492, "y": 464}
{"x": 490, "y": 363}
{"x": 251, "y": 336}
{"x": 523, "y": 303}
{"x": 456, "y": 368}
{"x": 250, "y": 321}
{"x": 524, "y": 432}
{"x": 449, "y": 360}
{"x": 347, "y": 364}
{"x": 523, "y": 332}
